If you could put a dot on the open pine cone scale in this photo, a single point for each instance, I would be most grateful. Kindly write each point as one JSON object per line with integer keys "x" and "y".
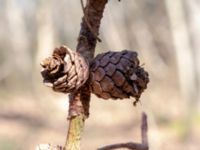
{"x": 66, "y": 71}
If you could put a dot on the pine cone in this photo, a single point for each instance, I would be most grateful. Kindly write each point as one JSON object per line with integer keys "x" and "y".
{"x": 66, "y": 71}
{"x": 117, "y": 75}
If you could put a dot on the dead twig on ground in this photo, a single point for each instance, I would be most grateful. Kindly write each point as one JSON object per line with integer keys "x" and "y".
{"x": 131, "y": 145}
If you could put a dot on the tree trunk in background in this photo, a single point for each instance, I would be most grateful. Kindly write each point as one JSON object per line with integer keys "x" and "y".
{"x": 193, "y": 10}
{"x": 182, "y": 47}
{"x": 19, "y": 42}
{"x": 45, "y": 31}
{"x": 144, "y": 38}
{"x": 185, "y": 60}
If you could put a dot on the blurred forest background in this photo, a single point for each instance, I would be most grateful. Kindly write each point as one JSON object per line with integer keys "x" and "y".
{"x": 165, "y": 33}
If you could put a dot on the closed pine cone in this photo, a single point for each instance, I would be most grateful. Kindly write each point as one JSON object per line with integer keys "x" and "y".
{"x": 66, "y": 71}
{"x": 117, "y": 75}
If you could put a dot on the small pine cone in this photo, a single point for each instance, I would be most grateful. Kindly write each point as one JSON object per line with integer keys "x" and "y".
{"x": 66, "y": 71}
{"x": 117, "y": 75}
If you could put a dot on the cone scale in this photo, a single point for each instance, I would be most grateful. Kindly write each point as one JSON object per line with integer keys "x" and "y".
{"x": 117, "y": 75}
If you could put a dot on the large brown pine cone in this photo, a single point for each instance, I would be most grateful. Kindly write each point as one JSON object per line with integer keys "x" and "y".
{"x": 117, "y": 75}
{"x": 66, "y": 71}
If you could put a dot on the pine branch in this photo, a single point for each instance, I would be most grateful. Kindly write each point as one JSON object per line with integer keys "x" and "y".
{"x": 79, "y": 101}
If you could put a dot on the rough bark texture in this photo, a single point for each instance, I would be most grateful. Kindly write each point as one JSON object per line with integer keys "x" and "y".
{"x": 86, "y": 47}
{"x": 86, "y": 40}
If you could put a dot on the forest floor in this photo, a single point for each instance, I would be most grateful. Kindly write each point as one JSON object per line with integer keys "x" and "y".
{"x": 26, "y": 122}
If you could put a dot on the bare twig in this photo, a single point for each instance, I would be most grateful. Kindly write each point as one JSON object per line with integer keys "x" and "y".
{"x": 87, "y": 22}
{"x": 132, "y": 145}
